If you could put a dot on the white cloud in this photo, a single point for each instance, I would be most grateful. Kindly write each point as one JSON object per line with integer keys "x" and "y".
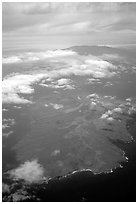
{"x": 110, "y": 119}
{"x": 108, "y": 84}
{"x": 92, "y": 105}
{"x": 132, "y": 110}
{"x": 7, "y": 134}
{"x": 104, "y": 116}
{"x": 110, "y": 97}
{"x": 30, "y": 171}
{"x": 7, "y": 123}
{"x": 55, "y": 152}
{"x": 56, "y": 106}
{"x": 16, "y": 84}
{"x": 4, "y": 110}
{"x": 9, "y": 120}
{"x": 129, "y": 99}
{"x": 17, "y": 107}
{"x": 31, "y": 56}
{"x": 93, "y": 80}
{"x": 107, "y": 115}
{"x": 12, "y": 59}
{"x": 118, "y": 110}
{"x": 94, "y": 95}
{"x": 63, "y": 81}
{"x": 4, "y": 126}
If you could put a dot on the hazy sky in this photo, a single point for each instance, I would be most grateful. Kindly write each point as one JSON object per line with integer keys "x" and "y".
{"x": 59, "y": 25}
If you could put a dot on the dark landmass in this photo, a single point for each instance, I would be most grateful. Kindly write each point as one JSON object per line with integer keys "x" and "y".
{"x": 81, "y": 128}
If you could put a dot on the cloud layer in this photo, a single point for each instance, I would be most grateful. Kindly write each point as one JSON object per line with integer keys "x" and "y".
{"x": 68, "y": 23}
{"x": 64, "y": 63}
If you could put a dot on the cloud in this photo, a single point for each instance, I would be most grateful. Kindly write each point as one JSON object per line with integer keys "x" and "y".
{"x": 93, "y": 80}
{"x": 92, "y": 105}
{"x": 13, "y": 59}
{"x": 7, "y": 123}
{"x": 118, "y": 110}
{"x": 56, "y": 106}
{"x": 107, "y": 115}
{"x": 104, "y": 22}
{"x": 30, "y": 56}
{"x": 4, "y": 110}
{"x": 30, "y": 171}
{"x": 94, "y": 95}
{"x": 64, "y": 63}
{"x": 108, "y": 84}
{"x": 55, "y": 152}
{"x": 110, "y": 119}
{"x": 17, "y": 107}
{"x": 129, "y": 99}
{"x": 7, "y": 134}
{"x": 61, "y": 83}
{"x": 18, "y": 84}
{"x": 132, "y": 110}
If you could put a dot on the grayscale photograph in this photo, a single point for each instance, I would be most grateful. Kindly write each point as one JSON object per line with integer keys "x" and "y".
{"x": 68, "y": 101}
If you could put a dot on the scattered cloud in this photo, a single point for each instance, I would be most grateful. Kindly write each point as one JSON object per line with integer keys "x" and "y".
{"x": 30, "y": 171}
{"x": 65, "y": 64}
{"x": 4, "y": 110}
{"x": 108, "y": 84}
{"x": 107, "y": 115}
{"x": 118, "y": 110}
{"x": 56, "y": 106}
{"x": 17, "y": 107}
{"x": 12, "y": 59}
{"x": 31, "y": 56}
{"x": 93, "y": 80}
{"x": 110, "y": 119}
{"x": 92, "y": 105}
{"x": 110, "y": 97}
{"x": 132, "y": 110}
{"x": 7, "y": 134}
{"x": 60, "y": 83}
{"x": 7, "y": 123}
{"x": 129, "y": 99}
{"x": 55, "y": 152}
{"x": 94, "y": 95}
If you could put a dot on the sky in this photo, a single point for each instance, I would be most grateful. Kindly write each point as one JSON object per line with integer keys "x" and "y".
{"x": 63, "y": 24}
